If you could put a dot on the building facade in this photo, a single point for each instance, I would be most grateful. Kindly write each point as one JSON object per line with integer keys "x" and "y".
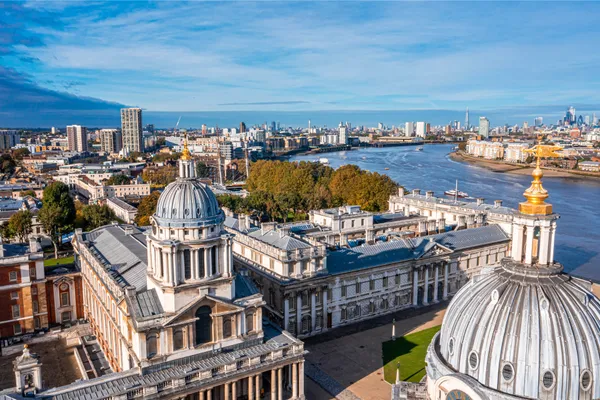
{"x": 111, "y": 140}
{"x": 122, "y": 209}
{"x": 9, "y": 138}
{"x": 484, "y": 127}
{"x": 132, "y": 129}
{"x": 77, "y": 138}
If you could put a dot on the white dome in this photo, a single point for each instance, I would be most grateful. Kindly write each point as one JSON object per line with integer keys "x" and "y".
{"x": 188, "y": 203}
{"x": 527, "y": 332}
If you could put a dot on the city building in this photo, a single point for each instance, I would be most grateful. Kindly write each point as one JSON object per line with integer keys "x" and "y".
{"x": 35, "y": 298}
{"x": 90, "y": 191}
{"x": 589, "y": 166}
{"x": 77, "y": 138}
{"x": 421, "y": 129}
{"x": 484, "y": 127}
{"x": 111, "y": 140}
{"x": 343, "y": 131}
{"x": 467, "y": 125}
{"x": 242, "y": 127}
{"x": 515, "y": 152}
{"x": 123, "y": 210}
{"x": 538, "y": 122}
{"x": 522, "y": 329}
{"x": 409, "y": 129}
{"x": 132, "y": 129}
{"x": 9, "y": 138}
{"x": 485, "y": 149}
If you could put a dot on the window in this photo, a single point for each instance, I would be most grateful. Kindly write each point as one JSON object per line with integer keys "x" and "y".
{"x": 343, "y": 317}
{"x": 371, "y": 285}
{"x": 201, "y": 272}
{"x": 385, "y": 281}
{"x": 362, "y": 222}
{"x": 227, "y": 327}
{"x": 305, "y": 298}
{"x": 36, "y": 323}
{"x": 178, "y": 340}
{"x": 343, "y": 224}
{"x": 249, "y": 322}
{"x": 291, "y": 269}
{"x": 64, "y": 299}
{"x": 151, "y": 345}
{"x": 14, "y": 295}
{"x": 16, "y": 311}
{"x": 343, "y": 291}
{"x": 306, "y": 324}
{"x": 203, "y": 325}
{"x": 213, "y": 260}
{"x": 32, "y": 273}
{"x": 34, "y": 290}
{"x": 357, "y": 287}
{"x": 66, "y": 316}
{"x": 187, "y": 264}
{"x": 17, "y": 329}
{"x": 353, "y": 223}
{"x": 12, "y": 276}
{"x": 35, "y": 306}
{"x": 397, "y": 279}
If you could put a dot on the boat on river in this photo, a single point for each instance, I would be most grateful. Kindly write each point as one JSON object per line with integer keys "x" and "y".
{"x": 456, "y": 193}
{"x": 420, "y": 148}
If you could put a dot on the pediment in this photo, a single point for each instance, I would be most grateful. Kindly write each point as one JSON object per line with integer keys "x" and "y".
{"x": 435, "y": 250}
{"x": 217, "y": 305}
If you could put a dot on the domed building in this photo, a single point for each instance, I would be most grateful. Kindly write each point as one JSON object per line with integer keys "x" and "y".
{"x": 524, "y": 330}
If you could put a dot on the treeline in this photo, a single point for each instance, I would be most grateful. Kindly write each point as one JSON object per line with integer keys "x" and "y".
{"x": 287, "y": 191}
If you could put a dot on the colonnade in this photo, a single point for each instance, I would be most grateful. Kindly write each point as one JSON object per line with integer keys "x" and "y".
{"x": 313, "y": 309}
{"x": 431, "y": 271}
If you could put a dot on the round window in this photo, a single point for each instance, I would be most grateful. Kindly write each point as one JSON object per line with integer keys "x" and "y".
{"x": 451, "y": 346}
{"x": 507, "y": 372}
{"x": 586, "y": 380}
{"x": 473, "y": 360}
{"x": 548, "y": 380}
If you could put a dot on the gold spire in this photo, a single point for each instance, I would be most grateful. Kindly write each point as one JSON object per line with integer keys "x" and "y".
{"x": 536, "y": 194}
{"x": 185, "y": 154}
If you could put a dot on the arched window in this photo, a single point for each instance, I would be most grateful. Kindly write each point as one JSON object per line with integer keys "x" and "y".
{"x": 249, "y": 322}
{"x": 151, "y": 345}
{"x": 187, "y": 264}
{"x": 203, "y": 325}
{"x": 178, "y": 339}
{"x": 227, "y": 327}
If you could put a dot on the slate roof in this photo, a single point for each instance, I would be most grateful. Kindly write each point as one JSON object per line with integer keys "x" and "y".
{"x": 463, "y": 203}
{"x": 232, "y": 223}
{"x": 244, "y": 287}
{"x": 147, "y": 304}
{"x": 122, "y": 250}
{"x": 15, "y": 249}
{"x": 276, "y": 239}
{"x": 379, "y": 254}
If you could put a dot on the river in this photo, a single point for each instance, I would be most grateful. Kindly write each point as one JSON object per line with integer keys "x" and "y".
{"x": 576, "y": 200}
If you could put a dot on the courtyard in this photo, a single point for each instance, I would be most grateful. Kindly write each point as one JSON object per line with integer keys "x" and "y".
{"x": 352, "y": 356}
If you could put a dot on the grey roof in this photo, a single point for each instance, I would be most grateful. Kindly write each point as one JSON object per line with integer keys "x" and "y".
{"x": 122, "y": 250}
{"x": 232, "y": 222}
{"x": 122, "y": 204}
{"x": 462, "y": 203}
{"x": 278, "y": 239}
{"x": 15, "y": 249}
{"x": 244, "y": 287}
{"x": 147, "y": 304}
{"x": 388, "y": 217}
{"x": 379, "y": 254}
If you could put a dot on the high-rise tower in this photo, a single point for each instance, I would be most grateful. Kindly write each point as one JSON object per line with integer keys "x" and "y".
{"x": 467, "y": 126}
{"x": 131, "y": 129}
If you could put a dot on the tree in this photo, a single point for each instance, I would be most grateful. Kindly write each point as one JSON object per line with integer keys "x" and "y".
{"x": 58, "y": 212}
{"x": 20, "y": 224}
{"x": 147, "y": 208}
{"x": 28, "y": 192}
{"x": 18, "y": 154}
{"x": 7, "y": 163}
{"x": 160, "y": 176}
{"x": 95, "y": 216}
{"x": 5, "y": 231}
{"x": 118, "y": 179}
{"x": 202, "y": 170}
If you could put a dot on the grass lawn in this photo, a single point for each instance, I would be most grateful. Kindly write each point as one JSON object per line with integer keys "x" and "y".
{"x": 51, "y": 262}
{"x": 410, "y": 352}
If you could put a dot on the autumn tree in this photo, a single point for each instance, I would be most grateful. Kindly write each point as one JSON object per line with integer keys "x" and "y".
{"x": 161, "y": 176}
{"x": 147, "y": 208}
{"x": 20, "y": 224}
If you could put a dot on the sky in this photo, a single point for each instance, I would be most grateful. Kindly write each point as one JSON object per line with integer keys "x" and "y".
{"x": 70, "y": 60}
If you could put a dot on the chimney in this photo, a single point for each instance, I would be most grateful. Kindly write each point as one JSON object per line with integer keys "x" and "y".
{"x": 284, "y": 231}
{"x": 480, "y": 201}
{"x": 416, "y": 192}
{"x": 266, "y": 227}
{"x": 400, "y": 191}
{"x": 429, "y": 194}
{"x": 34, "y": 245}
{"x": 243, "y": 222}
{"x": 497, "y": 203}
{"x": 130, "y": 291}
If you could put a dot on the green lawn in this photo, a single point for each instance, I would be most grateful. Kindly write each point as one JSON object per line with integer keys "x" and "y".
{"x": 410, "y": 352}
{"x": 51, "y": 262}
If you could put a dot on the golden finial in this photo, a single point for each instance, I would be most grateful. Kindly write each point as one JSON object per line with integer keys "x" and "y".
{"x": 536, "y": 194}
{"x": 185, "y": 154}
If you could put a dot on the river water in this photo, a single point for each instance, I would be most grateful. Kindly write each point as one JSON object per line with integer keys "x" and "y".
{"x": 576, "y": 200}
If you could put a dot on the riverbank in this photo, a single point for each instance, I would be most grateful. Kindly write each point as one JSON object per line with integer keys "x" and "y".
{"x": 519, "y": 169}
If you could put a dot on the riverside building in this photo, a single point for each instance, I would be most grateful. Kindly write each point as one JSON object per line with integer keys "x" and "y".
{"x": 172, "y": 317}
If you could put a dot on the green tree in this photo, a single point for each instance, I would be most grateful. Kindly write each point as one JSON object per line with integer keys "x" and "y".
{"x": 57, "y": 215}
{"x": 202, "y": 170}
{"x": 5, "y": 231}
{"x": 18, "y": 154}
{"x": 95, "y": 216}
{"x": 147, "y": 208}
{"x": 160, "y": 176}
{"x": 7, "y": 163}
{"x": 118, "y": 179}
{"x": 20, "y": 224}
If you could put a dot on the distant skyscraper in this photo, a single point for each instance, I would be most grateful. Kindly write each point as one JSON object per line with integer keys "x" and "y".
{"x": 570, "y": 117}
{"x": 53, "y": 130}
{"x": 150, "y": 128}
{"x": 580, "y": 120}
{"x": 8, "y": 138}
{"x": 421, "y": 129}
{"x": 343, "y": 137}
{"x": 484, "y": 127}
{"x": 587, "y": 120}
{"x": 204, "y": 130}
{"x": 409, "y": 128}
{"x": 273, "y": 126}
{"x": 77, "y": 138}
{"x": 539, "y": 121}
{"x": 131, "y": 129}
{"x": 110, "y": 140}
{"x": 380, "y": 126}
{"x": 594, "y": 120}
{"x": 467, "y": 126}
{"x": 242, "y": 127}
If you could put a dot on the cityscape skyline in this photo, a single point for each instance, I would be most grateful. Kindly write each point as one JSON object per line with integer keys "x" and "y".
{"x": 58, "y": 58}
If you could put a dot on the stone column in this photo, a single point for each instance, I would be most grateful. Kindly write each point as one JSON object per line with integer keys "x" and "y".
{"x": 217, "y": 258}
{"x": 517, "y": 243}
{"x": 324, "y": 323}
{"x": 226, "y": 389}
{"x": 273, "y": 378}
{"x": 250, "y": 388}
{"x": 445, "y": 280}
{"x": 552, "y": 236}
{"x": 436, "y": 281}
{"x": 543, "y": 245}
{"x": 301, "y": 380}
{"x": 279, "y": 385}
{"x": 257, "y": 387}
{"x": 286, "y": 313}
{"x": 169, "y": 267}
{"x": 426, "y": 286}
{"x": 313, "y": 310}
{"x": 209, "y": 394}
{"x": 299, "y": 313}
{"x": 294, "y": 381}
{"x": 415, "y": 287}
{"x": 529, "y": 245}
{"x": 202, "y": 395}
{"x": 234, "y": 390}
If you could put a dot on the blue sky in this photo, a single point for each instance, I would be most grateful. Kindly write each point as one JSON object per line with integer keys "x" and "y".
{"x": 91, "y": 58}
